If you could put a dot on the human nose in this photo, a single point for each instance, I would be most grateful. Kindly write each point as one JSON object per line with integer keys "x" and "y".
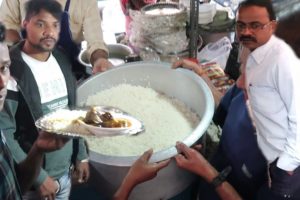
{"x": 3, "y": 81}
{"x": 49, "y": 31}
{"x": 246, "y": 29}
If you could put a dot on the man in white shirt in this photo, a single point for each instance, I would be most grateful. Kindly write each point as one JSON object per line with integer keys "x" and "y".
{"x": 274, "y": 96}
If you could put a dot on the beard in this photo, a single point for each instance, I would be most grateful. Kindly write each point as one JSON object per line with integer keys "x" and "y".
{"x": 44, "y": 45}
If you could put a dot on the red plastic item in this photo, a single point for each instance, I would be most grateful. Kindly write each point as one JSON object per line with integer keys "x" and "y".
{"x": 195, "y": 60}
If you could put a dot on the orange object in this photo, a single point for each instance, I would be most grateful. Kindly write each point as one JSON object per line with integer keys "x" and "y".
{"x": 195, "y": 60}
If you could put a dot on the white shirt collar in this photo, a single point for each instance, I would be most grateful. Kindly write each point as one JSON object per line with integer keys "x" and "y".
{"x": 260, "y": 53}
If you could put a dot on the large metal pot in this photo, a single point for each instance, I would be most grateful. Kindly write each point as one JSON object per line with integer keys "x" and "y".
{"x": 117, "y": 55}
{"x": 108, "y": 171}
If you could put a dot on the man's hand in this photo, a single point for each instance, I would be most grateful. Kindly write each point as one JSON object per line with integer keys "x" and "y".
{"x": 47, "y": 142}
{"x": 142, "y": 170}
{"x": 188, "y": 64}
{"x": 101, "y": 65}
{"x": 30, "y": 167}
{"x": 191, "y": 160}
{"x": 139, "y": 172}
{"x": 198, "y": 69}
{"x": 82, "y": 171}
{"x": 290, "y": 173}
{"x": 48, "y": 189}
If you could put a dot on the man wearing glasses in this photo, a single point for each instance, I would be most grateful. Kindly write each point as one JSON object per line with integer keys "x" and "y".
{"x": 273, "y": 91}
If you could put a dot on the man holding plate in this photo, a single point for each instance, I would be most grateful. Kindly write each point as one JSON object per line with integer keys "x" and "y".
{"x": 43, "y": 82}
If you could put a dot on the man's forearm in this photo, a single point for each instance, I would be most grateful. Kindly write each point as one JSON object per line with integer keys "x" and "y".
{"x": 227, "y": 192}
{"x": 215, "y": 92}
{"x": 124, "y": 190}
{"x": 28, "y": 170}
{"x": 224, "y": 190}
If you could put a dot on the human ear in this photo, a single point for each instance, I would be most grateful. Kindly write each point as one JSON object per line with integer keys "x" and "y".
{"x": 274, "y": 25}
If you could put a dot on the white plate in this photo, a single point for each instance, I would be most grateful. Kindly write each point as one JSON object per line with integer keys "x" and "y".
{"x": 65, "y": 122}
{"x": 136, "y": 127}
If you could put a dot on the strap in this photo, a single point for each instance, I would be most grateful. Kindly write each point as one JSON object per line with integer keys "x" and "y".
{"x": 2, "y": 32}
{"x": 75, "y": 150}
{"x": 218, "y": 180}
{"x": 67, "y": 5}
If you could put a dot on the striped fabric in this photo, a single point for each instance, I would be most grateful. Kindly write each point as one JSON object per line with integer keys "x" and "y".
{"x": 8, "y": 183}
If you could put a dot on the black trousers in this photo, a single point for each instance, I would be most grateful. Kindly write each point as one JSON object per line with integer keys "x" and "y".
{"x": 283, "y": 185}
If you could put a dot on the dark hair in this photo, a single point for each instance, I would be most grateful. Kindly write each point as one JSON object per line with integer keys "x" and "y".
{"x": 2, "y": 32}
{"x": 33, "y": 7}
{"x": 261, "y": 3}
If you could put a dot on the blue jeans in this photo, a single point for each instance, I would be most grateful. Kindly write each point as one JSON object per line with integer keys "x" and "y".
{"x": 62, "y": 194}
{"x": 65, "y": 187}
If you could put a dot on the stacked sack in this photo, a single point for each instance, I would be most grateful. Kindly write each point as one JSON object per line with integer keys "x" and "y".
{"x": 161, "y": 27}
{"x": 216, "y": 74}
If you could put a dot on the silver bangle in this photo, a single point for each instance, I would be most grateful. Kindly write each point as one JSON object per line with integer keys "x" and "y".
{"x": 84, "y": 160}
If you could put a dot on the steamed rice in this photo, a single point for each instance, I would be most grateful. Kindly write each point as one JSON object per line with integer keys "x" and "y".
{"x": 166, "y": 120}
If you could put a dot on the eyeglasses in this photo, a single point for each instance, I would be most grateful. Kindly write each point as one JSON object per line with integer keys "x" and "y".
{"x": 254, "y": 26}
{"x": 2, "y": 32}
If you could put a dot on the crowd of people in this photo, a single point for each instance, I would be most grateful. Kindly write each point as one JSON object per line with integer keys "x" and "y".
{"x": 258, "y": 156}
{"x": 80, "y": 22}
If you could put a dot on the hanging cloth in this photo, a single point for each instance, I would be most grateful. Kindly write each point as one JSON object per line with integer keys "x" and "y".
{"x": 72, "y": 49}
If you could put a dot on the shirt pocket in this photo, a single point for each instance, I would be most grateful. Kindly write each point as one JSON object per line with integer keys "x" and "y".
{"x": 265, "y": 100}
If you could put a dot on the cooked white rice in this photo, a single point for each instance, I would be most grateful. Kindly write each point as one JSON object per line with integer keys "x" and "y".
{"x": 61, "y": 120}
{"x": 166, "y": 120}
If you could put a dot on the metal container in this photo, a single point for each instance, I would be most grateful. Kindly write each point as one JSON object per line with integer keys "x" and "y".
{"x": 117, "y": 55}
{"x": 185, "y": 85}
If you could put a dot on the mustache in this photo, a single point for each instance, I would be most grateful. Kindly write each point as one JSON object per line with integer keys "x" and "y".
{"x": 47, "y": 38}
{"x": 247, "y": 38}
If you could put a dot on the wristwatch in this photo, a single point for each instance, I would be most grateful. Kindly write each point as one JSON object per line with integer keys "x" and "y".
{"x": 218, "y": 180}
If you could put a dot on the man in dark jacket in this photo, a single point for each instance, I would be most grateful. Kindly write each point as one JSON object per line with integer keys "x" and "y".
{"x": 42, "y": 82}
{"x": 17, "y": 178}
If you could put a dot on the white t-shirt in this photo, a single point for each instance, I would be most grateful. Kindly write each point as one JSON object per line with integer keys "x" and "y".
{"x": 51, "y": 82}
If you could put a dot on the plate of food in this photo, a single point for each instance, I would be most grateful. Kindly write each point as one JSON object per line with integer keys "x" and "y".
{"x": 99, "y": 121}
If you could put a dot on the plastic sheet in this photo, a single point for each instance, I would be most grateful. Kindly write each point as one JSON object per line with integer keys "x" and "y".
{"x": 216, "y": 52}
{"x": 163, "y": 33}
